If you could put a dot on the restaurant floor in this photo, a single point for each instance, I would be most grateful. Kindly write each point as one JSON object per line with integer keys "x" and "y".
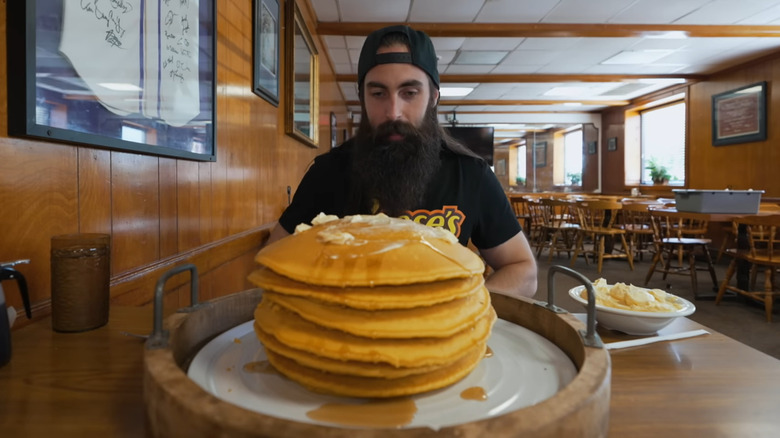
{"x": 735, "y": 317}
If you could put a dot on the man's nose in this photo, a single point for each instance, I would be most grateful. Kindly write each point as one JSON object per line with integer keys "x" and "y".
{"x": 394, "y": 108}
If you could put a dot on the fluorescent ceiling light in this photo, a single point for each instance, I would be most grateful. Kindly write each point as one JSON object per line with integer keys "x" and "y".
{"x": 118, "y": 86}
{"x": 634, "y": 57}
{"x": 668, "y": 35}
{"x": 565, "y": 91}
{"x": 572, "y": 104}
{"x": 455, "y": 91}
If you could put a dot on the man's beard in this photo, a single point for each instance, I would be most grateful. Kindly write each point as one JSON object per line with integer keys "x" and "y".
{"x": 396, "y": 174}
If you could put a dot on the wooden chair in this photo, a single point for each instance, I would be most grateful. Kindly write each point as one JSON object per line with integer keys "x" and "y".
{"x": 522, "y": 212}
{"x": 596, "y": 220}
{"x": 635, "y": 220}
{"x": 671, "y": 231}
{"x": 763, "y": 253}
{"x": 557, "y": 228}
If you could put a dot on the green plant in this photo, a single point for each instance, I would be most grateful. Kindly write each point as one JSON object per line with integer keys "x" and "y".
{"x": 658, "y": 172}
{"x": 575, "y": 178}
{"x": 520, "y": 181}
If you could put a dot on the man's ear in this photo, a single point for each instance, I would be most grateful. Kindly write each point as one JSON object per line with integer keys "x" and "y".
{"x": 435, "y": 97}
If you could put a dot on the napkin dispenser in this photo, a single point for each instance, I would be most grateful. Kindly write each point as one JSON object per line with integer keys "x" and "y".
{"x": 7, "y": 272}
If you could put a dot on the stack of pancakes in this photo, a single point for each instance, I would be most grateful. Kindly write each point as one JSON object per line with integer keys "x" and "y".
{"x": 372, "y": 306}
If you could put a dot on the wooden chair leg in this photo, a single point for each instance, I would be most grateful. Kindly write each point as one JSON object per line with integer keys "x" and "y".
{"x": 601, "y": 253}
{"x": 768, "y": 296}
{"x": 668, "y": 262}
{"x": 729, "y": 273}
{"x": 577, "y": 247}
{"x": 656, "y": 258}
{"x": 629, "y": 252}
{"x": 693, "y": 272}
{"x": 710, "y": 267}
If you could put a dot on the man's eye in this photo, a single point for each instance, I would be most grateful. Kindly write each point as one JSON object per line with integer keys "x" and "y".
{"x": 377, "y": 93}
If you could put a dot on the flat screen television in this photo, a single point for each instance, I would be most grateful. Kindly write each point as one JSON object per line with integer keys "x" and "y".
{"x": 477, "y": 138}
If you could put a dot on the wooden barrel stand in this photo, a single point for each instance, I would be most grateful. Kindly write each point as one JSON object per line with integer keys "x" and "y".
{"x": 177, "y": 406}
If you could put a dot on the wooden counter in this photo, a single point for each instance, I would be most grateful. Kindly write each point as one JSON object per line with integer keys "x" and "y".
{"x": 89, "y": 384}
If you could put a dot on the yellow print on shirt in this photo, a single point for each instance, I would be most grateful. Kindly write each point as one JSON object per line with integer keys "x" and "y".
{"x": 448, "y": 217}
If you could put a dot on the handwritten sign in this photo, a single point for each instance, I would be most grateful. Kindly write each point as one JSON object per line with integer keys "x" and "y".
{"x": 738, "y": 115}
{"x": 136, "y": 56}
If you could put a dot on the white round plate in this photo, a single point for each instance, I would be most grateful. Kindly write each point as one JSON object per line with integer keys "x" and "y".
{"x": 525, "y": 368}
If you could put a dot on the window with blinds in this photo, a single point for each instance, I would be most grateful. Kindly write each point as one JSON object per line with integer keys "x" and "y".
{"x": 572, "y": 157}
{"x": 663, "y": 141}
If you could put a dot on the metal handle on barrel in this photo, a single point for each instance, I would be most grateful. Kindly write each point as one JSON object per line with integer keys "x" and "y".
{"x": 159, "y": 337}
{"x": 589, "y": 336}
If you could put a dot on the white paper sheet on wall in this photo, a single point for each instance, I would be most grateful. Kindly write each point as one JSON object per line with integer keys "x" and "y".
{"x": 137, "y": 56}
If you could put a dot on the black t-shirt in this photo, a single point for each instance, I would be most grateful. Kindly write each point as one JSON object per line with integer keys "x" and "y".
{"x": 464, "y": 197}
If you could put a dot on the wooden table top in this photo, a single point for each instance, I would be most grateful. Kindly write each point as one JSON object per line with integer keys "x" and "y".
{"x": 90, "y": 384}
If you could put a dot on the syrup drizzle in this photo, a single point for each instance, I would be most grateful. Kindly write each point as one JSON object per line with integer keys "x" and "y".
{"x": 476, "y": 393}
{"x": 376, "y": 413}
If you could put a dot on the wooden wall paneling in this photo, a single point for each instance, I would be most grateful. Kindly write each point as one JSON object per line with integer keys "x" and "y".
{"x": 94, "y": 192}
{"x": 137, "y": 287}
{"x": 590, "y": 163}
{"x": 135, "y": 211}
{"x": 206, "y": 230}
{"x": 188, "y": 204}
{"x": 167, "y": 177}
{"x": 612, "y": 162}
{"x": 38, "y": 195}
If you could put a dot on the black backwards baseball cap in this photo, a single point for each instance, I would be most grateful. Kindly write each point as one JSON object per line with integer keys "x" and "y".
{"x": 421, "y": 53}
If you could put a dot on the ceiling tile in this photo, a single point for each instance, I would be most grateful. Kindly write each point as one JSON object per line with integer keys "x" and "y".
{"x": 343, "y": 69}
{"x": 491, "y": 43}
{"x": 468, "y": 69}
{"x": 529, "y": 57}
{"x": 657, "y": 11}
{"x": 355, "y": 42}
{"x": 514, "y": 11}
{"x": 442, "y": 43}
{"x": 578, "y": 11}
{"x": 768, "y": 16}
{"x": 549, "y": 43}
{"x": 446, "y": 56}
{"x": 339, "y": 56}
{"x": 335, "y": 41}
{"x": 444, "y": 11}
{"x": 483, "y": 57}
{"x": 326, "y": 10}
{"x": 362, "y": 10}
{"x": 516, "y": 69}
{"x": 726, "y": 11}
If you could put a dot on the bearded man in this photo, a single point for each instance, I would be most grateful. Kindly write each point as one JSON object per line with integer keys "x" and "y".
{"x": 403, "y": 164}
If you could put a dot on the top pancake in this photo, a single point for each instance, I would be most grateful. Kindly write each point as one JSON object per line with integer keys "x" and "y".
{"x": 370, "y": 250}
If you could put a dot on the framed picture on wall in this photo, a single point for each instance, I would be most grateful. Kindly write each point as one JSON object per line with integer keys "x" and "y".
{"x": 99, "y": 74}
{"x": 591, "y": 147}
{"x": 500, "y": 167}
{"x": 739, "y": 115}
{"x": 612, "y": 144}
{"x": 540, "y": 154}
{"x": 265, "y": 27}
{"x": 301, "y": 65}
